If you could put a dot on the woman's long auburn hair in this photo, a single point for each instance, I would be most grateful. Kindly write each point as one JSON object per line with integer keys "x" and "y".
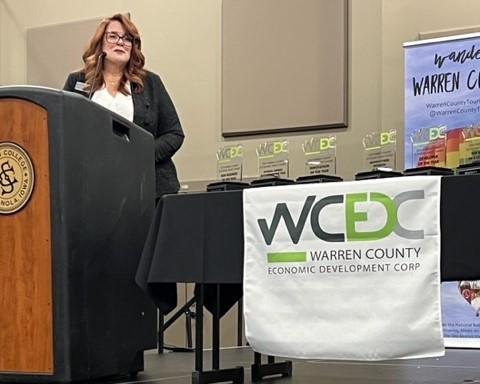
{"x": 133, "y": 72}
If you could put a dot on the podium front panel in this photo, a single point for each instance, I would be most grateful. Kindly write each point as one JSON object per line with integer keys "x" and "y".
{"x": 25, "y": 239}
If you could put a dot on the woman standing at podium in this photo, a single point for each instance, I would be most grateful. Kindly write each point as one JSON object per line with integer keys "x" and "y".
{"x": 114, "y": 77}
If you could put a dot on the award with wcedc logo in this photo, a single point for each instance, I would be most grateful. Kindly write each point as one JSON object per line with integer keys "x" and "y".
{"x": 468, "y": 148}
{"x": 273, "y": 158}
{"x": 379, "y": 150}
{"x": 320, "y": 155}
{"x": 230, "y": 163}
{"x": 469, "y": 145}
{"x": 428, "y": 147}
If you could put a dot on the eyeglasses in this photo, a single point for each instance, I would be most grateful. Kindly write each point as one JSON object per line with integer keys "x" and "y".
{"x": 114, "y": 38}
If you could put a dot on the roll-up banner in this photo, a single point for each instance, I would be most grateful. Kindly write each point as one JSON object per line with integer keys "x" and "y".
{"x": 442, "y": 129}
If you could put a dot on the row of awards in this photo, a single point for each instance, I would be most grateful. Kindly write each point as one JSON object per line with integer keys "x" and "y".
{"x": 427, "y": 157}
{"x": 319, "y": 153}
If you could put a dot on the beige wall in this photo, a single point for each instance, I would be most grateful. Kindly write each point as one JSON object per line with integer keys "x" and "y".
{"x": 182, "y": 42}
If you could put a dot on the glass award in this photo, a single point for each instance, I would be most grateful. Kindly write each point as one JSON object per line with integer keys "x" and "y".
{"x": 468, "y": 149}
{"x": 380, "y": 150}
{"x": 428, "y": 147}
{"x": 272, "y": 159}
{"x": 320, "y": 155}
{"x": 468, "y": 145}
{"x": 230, "y": 163}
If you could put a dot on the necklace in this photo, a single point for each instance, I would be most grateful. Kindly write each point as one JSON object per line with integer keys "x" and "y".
{"x": 114, "y": 81}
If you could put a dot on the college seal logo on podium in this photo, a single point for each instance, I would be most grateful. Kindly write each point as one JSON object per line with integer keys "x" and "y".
{"x": 16, "y": 178}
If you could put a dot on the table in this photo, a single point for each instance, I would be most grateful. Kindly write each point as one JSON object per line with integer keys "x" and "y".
{"x": 198, "y": 238}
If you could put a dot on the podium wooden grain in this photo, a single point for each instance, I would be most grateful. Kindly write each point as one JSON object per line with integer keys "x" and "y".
{"x": 26, "y": 314}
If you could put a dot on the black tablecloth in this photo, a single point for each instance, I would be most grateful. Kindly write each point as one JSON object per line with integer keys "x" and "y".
{"x": 198, "y": 238}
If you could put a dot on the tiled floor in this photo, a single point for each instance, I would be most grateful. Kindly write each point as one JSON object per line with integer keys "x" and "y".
{"x": 457, "y": 366}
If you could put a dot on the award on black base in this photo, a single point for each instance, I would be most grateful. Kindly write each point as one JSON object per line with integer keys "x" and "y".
{"x": 229, "y": 169}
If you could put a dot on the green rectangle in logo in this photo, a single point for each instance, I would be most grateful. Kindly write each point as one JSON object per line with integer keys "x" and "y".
{"x": 287, "y": 257}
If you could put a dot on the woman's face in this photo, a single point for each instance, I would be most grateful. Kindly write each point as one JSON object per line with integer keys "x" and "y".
{"x": 116, "y": 44}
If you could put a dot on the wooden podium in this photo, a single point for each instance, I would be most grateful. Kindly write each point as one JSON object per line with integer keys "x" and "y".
{"x": 76, "y": 202}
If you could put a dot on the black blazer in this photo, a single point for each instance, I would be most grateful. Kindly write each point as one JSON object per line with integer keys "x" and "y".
{"x": 154, "y": 111}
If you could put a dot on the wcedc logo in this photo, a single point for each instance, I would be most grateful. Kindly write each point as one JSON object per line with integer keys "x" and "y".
{"x": 16, "y": 178}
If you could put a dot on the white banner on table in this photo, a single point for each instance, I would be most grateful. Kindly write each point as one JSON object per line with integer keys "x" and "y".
{"x": 346, "y": 271}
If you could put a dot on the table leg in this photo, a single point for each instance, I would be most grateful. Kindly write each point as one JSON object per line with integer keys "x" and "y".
{"x": 216, "y": 375}
{"x": 216, "y": 330}
{"x": 199, "y": 330}
{"x": 259, "y": 370}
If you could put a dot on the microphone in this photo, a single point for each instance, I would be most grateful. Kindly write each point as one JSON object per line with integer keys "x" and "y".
{"x": 100, "y": 61}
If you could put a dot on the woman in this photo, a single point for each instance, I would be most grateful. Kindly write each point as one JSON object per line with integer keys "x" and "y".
{"x": 114, "y": 77}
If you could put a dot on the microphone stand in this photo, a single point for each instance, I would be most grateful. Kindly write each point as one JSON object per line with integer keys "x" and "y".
{"x": 99, "y": 61}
